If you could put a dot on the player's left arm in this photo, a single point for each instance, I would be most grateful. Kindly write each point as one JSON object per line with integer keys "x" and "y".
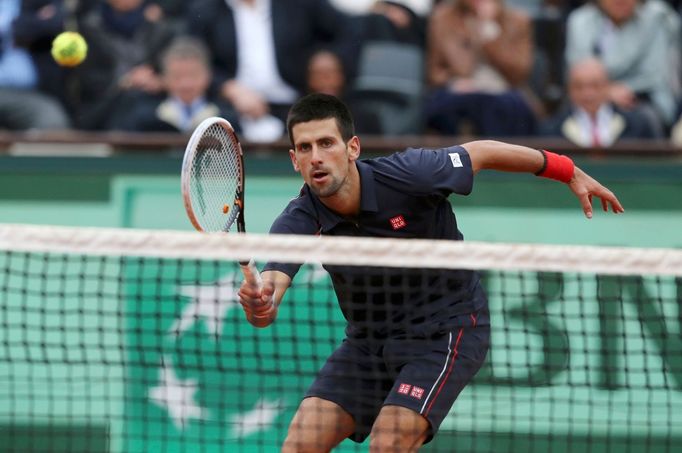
{"x": 493, "y": 155}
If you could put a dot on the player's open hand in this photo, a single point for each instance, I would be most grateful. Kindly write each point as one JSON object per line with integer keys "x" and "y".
{"x": 258, "y": 303}
{"x": 585, "y": 187}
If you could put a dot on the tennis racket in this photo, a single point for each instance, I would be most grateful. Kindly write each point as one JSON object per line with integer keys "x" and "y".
{"x": 212, "y": 182}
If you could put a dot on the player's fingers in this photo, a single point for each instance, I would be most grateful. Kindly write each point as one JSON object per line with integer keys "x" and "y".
{"x": 609, "y": 197}
{"x": 585, "y": 201}
{"x": 249, "y": 292}
{"x": 615, "y": 205}
{"x": 264, "y": 311}
{"x": 604, "y": 205}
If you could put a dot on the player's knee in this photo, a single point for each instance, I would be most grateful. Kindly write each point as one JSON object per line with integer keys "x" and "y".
{"x": 391, "y": 441}
{"x": 296, "y": 442}
{"x": 387, "y": 438}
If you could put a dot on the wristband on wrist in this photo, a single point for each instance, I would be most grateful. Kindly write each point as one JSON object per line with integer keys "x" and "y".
{"x": 556, "y": 166}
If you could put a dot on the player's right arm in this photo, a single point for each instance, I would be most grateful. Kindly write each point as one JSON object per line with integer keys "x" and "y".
{"x": 261, "y": 304}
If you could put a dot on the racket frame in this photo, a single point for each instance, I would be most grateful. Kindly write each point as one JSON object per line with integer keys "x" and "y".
{"x": 185, "y": 180}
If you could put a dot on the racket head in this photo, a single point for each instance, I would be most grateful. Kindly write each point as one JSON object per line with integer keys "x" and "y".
{"x": 212, "y": 177}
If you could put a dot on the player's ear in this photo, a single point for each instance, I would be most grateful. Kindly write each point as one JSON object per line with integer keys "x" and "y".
{"x": 294, "y": 162}
{"x": 354, "y": 148}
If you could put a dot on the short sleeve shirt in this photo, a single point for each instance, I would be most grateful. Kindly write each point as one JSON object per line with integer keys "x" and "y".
{"x": 404, "y": 195}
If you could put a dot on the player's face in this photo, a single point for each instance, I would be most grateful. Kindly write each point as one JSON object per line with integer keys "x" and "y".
{"x": 322, "y": 157}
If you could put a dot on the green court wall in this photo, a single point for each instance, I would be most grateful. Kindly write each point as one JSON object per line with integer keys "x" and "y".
{"x": 143, "y": 191}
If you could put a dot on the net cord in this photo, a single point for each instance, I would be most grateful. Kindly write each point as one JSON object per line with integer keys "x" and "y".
{"x": 417, "y": 253}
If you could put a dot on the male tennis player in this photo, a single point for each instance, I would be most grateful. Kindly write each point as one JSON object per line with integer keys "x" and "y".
{"x": 411, "y": 345}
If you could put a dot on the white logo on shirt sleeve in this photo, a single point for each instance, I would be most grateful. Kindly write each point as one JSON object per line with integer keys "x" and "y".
{"x": 456, "y": 160}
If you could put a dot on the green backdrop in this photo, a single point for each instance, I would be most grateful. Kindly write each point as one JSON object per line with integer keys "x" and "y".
{"x": 142, "y": 191}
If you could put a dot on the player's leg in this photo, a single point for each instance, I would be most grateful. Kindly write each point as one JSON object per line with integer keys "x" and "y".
{"x": 318, "y": 426}
{"x": 398, "y": 429}
{"x": 430, "y": 374}
{"x": 343, "y": 401}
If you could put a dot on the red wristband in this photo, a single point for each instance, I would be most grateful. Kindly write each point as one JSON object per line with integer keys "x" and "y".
{"x": 556, "y": 166}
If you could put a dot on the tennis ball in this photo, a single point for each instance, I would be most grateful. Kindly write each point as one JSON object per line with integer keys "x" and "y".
{"x": 69, "y": 49}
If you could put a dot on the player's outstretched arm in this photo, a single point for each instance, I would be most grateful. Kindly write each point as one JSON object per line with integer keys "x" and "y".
{"x": 494, "y": 155}
{"x": 261, "y": 304}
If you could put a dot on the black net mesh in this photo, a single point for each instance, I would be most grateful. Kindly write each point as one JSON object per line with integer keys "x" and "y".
{"x": 134, "y": 354}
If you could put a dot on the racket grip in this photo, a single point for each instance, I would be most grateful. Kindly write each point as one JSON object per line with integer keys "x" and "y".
{"x": 251, "y": 274}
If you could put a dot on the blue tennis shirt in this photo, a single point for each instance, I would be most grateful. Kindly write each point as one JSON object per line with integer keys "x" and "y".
{"x": 404, "y": 195}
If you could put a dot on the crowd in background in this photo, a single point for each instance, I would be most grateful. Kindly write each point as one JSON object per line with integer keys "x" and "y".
{"x": 593, "y": 72}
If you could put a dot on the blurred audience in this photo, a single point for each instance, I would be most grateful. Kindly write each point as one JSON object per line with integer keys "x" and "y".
{"x": 480, "y": 55}
{"x": 165, "y": 65}
{"x": 592, "y": 120}
{"x": 639, "y": 43}
{"x": 326, "y": 75}
{"x": 401, "y": 21}
{"x": 186, "y": 76}
{"x": 125, "y": 39}
{"x": 25, "y": 33}
{"x": 676, "y": 132}
{"x": 358, "y": 7}
{"x": 260, "y": 52}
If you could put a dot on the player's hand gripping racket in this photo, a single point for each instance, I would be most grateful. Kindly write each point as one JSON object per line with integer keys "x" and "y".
{"x": 212, "y": 182}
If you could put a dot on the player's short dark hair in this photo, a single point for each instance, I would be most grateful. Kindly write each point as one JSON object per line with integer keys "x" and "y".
{"x": 318, "y": 106}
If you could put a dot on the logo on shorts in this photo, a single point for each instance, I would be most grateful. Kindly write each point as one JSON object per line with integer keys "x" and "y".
{"x": 404, "y": 389}
{"x": 411, "y": 390}
{"x": 417, "y": 392}
{"x": 398, "y": 222}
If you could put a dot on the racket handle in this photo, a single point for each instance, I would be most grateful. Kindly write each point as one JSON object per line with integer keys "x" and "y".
{"x": 251, "y": 273}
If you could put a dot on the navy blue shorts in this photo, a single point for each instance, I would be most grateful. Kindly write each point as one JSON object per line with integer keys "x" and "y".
{"x": 422, "y": 374}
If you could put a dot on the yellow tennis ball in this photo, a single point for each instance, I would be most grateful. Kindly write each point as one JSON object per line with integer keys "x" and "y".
{"x": 69, "y": 48}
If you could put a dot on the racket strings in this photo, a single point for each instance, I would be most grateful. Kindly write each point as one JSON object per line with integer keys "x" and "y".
{"x": 216, "y": 179}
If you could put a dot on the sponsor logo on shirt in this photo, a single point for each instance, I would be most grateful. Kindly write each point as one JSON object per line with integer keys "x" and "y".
{"x": 456, "y": 160}
{"x": 398, "y": 222}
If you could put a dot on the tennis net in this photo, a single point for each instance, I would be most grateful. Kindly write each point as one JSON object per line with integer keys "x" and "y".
{"x": 119, "y": 340}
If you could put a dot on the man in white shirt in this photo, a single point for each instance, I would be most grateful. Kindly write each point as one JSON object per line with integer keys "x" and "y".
{"x": 261, "y": 49}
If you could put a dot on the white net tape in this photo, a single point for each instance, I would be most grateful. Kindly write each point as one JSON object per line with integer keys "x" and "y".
{"x": 341, "y": 250}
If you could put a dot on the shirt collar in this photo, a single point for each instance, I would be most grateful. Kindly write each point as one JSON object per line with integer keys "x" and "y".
{"x": 368, "y": 198}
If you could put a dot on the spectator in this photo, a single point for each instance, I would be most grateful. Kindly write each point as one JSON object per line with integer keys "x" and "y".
{"x": 175, "y": 12}
{"x": 638, "y": 42}
{"x": 592, "y": 119}
{"x": 326, "y": 75}
{"x": 401, "y": 21}
{"x": 23, "y": 105}
{"x": 125, "y": 38}
{"x": 676, "y": 135}
{"x": 260, "y": 51}
{"x": 480, "y": 55}
{"x": 358, "y": 7}
{"x": 186, "y": 76}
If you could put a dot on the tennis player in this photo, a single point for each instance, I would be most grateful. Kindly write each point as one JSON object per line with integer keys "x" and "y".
{"x": 410, "y": 346}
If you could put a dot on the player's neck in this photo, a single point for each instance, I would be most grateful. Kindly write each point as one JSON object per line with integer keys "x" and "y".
{"x": 346, "y": 201}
